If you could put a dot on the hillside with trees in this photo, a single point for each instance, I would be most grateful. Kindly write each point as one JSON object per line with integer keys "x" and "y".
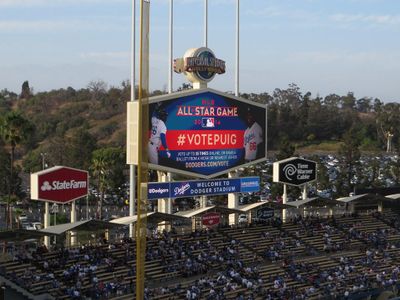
{"x": 70, "y": 127}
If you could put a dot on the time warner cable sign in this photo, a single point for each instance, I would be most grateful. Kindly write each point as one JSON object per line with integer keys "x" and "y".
{"x": 191, "y": 188}
{"x": 294, "y": 171}
{"x": 204, "y": 133}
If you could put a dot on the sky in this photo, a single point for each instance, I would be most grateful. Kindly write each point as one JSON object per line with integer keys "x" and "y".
{"x": 335, "y": 46}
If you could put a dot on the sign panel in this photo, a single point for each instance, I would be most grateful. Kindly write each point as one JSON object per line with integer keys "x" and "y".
{"x": 204, "y": 133}
{"x": 199, "y": 65}
{"x": 295, "y": 171}
{"x": 192, "y": 188}
{"x": 211, "y": 219}
{"x": 265, "y": 213}
{"x": 59, "y": 184}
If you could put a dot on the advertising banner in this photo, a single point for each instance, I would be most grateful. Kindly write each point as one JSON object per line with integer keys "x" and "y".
{"x": 59, "y": 184}
{"x": 265, "y": 213}
{"x": 211, "y": 219}
{"x": 294, "y": 171}
{"x": 192, "y": 188}
{"x": 205, "y": 133}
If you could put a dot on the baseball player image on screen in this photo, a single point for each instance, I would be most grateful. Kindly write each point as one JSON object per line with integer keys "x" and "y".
{"x": 253, "y": 138}
{"x": 158, "y": 135}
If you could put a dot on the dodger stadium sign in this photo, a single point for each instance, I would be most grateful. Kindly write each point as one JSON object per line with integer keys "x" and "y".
{"x": 191, "y": 188}
{"x": 295, "y": 171}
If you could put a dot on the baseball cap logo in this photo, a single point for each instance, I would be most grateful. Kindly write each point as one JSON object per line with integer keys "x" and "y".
{"x": 46, "y": 186}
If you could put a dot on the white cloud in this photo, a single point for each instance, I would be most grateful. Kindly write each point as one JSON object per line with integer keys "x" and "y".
{"x": 269, "y": 11}
{"x": 35, "y": 25}
{"x": 345, "y": 57}
{"x": 363, "y": 18}
{"x": 113, "y": 57}
{"x": 211, "y": 2}
{"x": 288, "y": 13}
{"x": 30, "y": 3}
{"x": 102, "y": 55}
{"x": 26, "y": 26}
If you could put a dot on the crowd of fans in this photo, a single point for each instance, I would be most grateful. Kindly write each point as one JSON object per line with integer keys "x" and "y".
{"x": 210, "y": 264}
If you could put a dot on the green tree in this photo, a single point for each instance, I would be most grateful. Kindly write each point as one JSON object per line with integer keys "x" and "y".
{"x": 4, "y": 172}
{"x": 107, "y": 169}
{"x": 25, "y": 91}
{"x": 350, "y": 154}
{"x": 394, "y": 166}
{"x": 81, "y": 145}
{"x": 15, "y": 130}
{"x": 388, "y": 124}
{"x": 286, "y": 149}
{"x": 323, "y": 182}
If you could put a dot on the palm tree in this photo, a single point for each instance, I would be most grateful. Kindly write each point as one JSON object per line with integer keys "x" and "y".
{"x": 14, "y": 130}
{"x": 106, "y": 168}
{"x": 99, "y": 170}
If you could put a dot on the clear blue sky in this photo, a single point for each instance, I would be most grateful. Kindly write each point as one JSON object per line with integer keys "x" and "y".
{"x": 323, "y": 46}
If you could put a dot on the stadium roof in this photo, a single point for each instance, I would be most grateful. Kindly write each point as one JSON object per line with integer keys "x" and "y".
{"x": 277, "y": 205}
{"x": 251, "y": 206}
{"x": 152, "y": 217}
{"x": 21, "y": 234}
{"x": 393, "y": 196}
{"x": 351, "y": 198}
{"x": 87, "y": 225}
{"x": 365, "y": 198}
{"x": 199, "y": 211}
{"x": 315, "y": 201}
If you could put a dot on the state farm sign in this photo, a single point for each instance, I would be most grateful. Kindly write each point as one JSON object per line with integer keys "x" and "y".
{"x": 59, "y": 184}
{"x": 211, "y": 219}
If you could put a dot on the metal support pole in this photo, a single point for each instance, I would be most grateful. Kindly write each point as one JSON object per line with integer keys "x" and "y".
{"x": 2, "y": 293}
{"x": 304, "y": 194}
{"x": 330, "y": 211}
{"x": 233, "y": 202}
{"x": 132, "y": 192}
{"x": 46, "y": 223}
{"x": 132, "y": 175}
{"x": 380, "y": 206}
{"x": 237, "y": 50}
{"x": 284, "y": 201}
{"x": 73, "y": 220}
{"x": 87, "y": 207}
{"x": 55, "y": 223}
{"x": 170, "y": 61}
{"x": 205, "y": 23}
{"x": 164, "y": 205}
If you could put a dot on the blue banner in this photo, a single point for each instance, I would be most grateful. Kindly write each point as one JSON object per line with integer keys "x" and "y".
{"x": 180, "y": 189}
{"x": 265, "y": 213}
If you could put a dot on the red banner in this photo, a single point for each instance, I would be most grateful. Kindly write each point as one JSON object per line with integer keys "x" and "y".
{"x": 211, "y": 219}
{"x": 204, "y": 139}
{"x": 62, "y": 184}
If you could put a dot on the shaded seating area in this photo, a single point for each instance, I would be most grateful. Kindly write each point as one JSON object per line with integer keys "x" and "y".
{"x": 228, "y": 261}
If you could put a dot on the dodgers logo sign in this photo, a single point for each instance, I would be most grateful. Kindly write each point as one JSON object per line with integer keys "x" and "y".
{"x": 204, "y": 133}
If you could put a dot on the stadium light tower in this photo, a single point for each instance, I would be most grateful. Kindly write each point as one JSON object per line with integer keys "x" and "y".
{"x": 132, "y": 174}
{"x": 237, "y": 49}
{"x": 206, "y": 23}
